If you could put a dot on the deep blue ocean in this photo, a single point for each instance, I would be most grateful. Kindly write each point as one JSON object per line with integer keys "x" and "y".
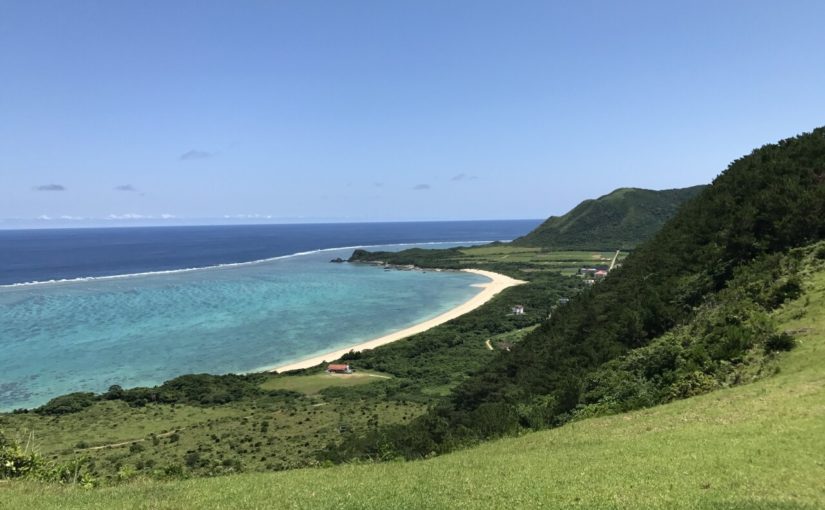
{"x": 138, "y": 306}
{"x": 56, "y": 254}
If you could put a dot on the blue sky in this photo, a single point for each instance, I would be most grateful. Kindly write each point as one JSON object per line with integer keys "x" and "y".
{"x": 368, "y": 111}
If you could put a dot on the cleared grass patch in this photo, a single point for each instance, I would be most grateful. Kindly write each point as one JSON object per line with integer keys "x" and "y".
{"x": 536, "y": 259}
{"x": 313, "y": 383}
{"x": 511, "y": 337}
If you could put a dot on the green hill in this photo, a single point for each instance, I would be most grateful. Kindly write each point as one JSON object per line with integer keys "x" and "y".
{"x": 754, "y": 446}
{"x": 685, "y": 314}
{"x": 619, "y": 220}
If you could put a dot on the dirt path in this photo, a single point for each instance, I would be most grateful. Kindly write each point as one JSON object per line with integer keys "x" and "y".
{"x": 488, "y": 344}
{"x": 615, "y": 258}
{"x": 124, "y": 443}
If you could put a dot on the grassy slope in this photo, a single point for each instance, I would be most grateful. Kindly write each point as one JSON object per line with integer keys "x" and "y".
{"x": 295, "y": 429}
{"x": 756, "y": 446}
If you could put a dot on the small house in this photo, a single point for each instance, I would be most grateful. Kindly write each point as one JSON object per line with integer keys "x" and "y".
{"x": 601, "y": 273}
{"x": 564, "y": 300}
{"x": 518, "y": 310}
{"x": 339, "y": 368}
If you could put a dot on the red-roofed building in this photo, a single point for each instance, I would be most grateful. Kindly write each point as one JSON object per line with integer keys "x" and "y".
{"x": 335, "y": 368}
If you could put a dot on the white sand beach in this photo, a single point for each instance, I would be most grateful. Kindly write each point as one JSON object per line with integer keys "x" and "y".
{"x": 498, "y": 282}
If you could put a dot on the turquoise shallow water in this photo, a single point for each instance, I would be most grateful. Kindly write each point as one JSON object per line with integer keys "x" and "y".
{"x": 142, "y": 330}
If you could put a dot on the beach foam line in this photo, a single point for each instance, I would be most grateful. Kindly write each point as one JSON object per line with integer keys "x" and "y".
{"x": 498, "y": 282}
{"x": 226, "y": 265}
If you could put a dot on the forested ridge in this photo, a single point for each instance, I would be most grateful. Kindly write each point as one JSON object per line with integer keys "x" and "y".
{"x": 686, "y": 313}
{"x": 619, "y": 220}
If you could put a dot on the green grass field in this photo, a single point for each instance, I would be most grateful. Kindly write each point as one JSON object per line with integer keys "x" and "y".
{"x": 760, "y": 445}
{"x": 311, "y": 384}
{"x": 503, "y": 340}
{"x": 535, "y": 259}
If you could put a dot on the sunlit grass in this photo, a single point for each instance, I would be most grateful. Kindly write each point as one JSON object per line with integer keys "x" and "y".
{"x": 313, "y": 383}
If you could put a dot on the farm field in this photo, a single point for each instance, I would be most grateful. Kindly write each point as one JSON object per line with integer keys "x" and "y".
{"x": 566, "y": 262}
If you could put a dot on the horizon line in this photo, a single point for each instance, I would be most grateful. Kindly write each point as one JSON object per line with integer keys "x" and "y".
{"x": 38, "y": 224}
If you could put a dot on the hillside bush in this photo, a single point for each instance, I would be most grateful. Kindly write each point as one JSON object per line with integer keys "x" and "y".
{"x": 65, "y": 404}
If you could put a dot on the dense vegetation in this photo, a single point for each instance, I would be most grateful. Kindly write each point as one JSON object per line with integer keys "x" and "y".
{"x": 197, "y": 389}
{"x": 686, "y": 313}
{"x": 619, "y": 220}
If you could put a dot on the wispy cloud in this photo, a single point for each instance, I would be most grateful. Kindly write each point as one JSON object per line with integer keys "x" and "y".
{"x": 421, "y": 187}
{"x": 253, "y": 216}
{"x": 127, "y": 216}
{"x": 125, "y": 187}
{"x": 46, "y": 217}
{"x": 195, "y": 154}
{"x": 133, "y": 216}
{"x": 50, "y": 187}
{"x": 463, "y": 177}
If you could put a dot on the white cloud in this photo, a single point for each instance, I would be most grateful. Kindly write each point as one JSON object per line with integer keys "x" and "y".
{"x": 253, "y": 216}
{"x": 195, "y": 154}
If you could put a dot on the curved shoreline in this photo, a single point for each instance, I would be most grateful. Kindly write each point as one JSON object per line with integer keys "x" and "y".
{"x": 498, "y": 282}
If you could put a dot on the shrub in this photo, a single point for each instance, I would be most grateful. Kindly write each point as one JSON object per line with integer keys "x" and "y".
{"x": 17, "y": 461}
{"x": 115, "y": 392}
{"x": 65, "y": 404}
{"x": 779, "y": 342}
{"x": 192, "y": 459}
